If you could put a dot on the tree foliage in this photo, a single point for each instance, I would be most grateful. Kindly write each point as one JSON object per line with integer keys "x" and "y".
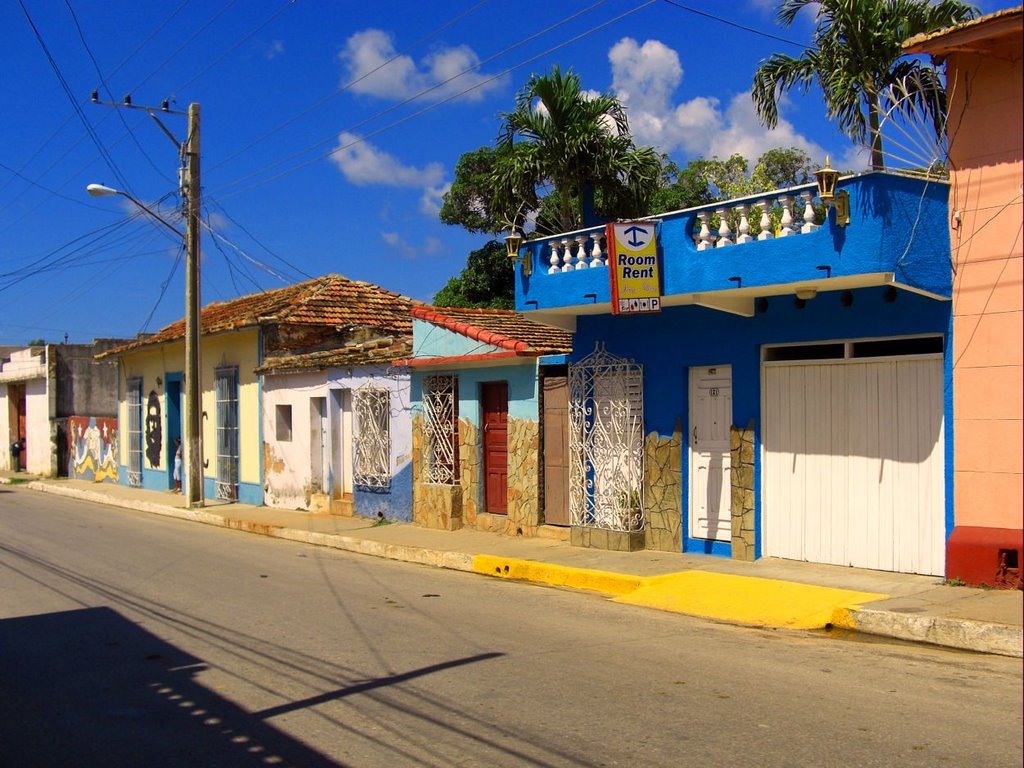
{"x": 560, "y": 151}
{"x": 486, "y": 282}
{"x": 855, "y": 58}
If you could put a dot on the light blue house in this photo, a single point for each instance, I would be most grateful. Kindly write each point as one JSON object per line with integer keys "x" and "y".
{"x": 785, "y": 389}
{"x": 488, "y": 393}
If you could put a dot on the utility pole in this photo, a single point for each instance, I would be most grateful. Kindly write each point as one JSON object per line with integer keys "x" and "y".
{"x": 193, "y": 390}
{"x": 189, "y": 188}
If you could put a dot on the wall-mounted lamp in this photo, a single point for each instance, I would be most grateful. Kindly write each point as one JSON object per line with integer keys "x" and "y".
{"x": 513, "y": 242}
{"x": 827, "y": 178}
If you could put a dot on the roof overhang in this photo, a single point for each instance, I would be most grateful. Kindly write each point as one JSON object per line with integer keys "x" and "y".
{"x": 970, "y": 36}
{"x": 738, "y": 301}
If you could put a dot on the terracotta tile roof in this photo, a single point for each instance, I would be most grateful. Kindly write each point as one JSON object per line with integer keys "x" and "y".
{"x": 383, "y": 350}
{"x": 1002, "y": 22}
{"x": 331, "y": 300}
{"x": 500, "y": 327}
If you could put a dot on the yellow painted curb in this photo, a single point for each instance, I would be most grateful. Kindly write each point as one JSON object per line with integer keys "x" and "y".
{"x": 556, "y": 575}
{"x": 746, "y": 599}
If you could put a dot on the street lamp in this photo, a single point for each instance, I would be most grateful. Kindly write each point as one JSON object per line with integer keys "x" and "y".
{"x": 513, "y": 242}
{"x": 193, "y": 408}
{"x": 827, "y": 178}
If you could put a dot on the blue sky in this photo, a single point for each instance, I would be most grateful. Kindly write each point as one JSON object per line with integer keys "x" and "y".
{"x": 312, "y": 162}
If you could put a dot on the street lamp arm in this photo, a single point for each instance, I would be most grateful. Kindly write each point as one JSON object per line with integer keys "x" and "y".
{"x": 101, "y": 190}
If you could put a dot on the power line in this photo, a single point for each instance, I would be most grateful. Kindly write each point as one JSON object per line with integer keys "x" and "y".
{"x": 437, "y": 104}
{"x": 721, "y": 20}
{"x": 78, "y": 110}
{"x": 252, "y": 237}
{"x": 316, "y": 105}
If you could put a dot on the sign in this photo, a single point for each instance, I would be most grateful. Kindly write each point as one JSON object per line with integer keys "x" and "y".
{"x": 633, "y": 267}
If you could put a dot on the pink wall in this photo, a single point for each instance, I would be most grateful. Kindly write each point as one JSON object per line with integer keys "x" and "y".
{"x": 986, "y": 128}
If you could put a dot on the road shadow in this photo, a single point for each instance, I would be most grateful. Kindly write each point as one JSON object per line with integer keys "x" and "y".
{"x": 91, "y": 688}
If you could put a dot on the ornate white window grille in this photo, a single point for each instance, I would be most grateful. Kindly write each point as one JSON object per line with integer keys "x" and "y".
{"x": 441, "y": 425}
{"x": 606, "y": 442}
{"x": 134, "y": 399}
{"x": 372, "y": 408}
{"x": 226, "y": 385}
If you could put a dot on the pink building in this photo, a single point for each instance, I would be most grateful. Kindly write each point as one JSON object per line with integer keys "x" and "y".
{"x": 985, "y": 126}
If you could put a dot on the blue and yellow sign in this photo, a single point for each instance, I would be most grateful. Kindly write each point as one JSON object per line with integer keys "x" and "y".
{"x": 633, "y": 267}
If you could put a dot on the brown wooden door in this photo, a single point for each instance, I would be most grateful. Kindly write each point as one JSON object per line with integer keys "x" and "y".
{"x": 18, "y": 393}
{"x": 495, "y": 397}
{"x": 556, "y": 450}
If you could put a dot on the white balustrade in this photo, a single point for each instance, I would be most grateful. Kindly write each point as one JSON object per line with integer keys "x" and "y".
{"x": 705, "y": 233}
{"x": 786, "y": 225}
{"x": 766, "y": 221}
{"x": 809, "y": 225}
{"x": 581, "y": 253}
{"x": 566, "y": 255}
{"x": 597, "y": 256}
{"x": 724, "y": 233}
{"x": 744, "y": 235}
{"x": 554, "y": 259}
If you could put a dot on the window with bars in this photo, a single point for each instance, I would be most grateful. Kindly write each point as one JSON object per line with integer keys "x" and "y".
{"x": 441, "y": 425}
{"x": 134, "y": 399}
{"x": 226, "y": 385}
{"x": 372, "y": 408}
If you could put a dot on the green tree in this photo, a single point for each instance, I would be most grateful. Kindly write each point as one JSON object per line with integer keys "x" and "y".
{"x": 467, "y": 202}
{"x": 560, "y": 138}
{"x": 486, "y": 282}
{"x": 855, "y": 57}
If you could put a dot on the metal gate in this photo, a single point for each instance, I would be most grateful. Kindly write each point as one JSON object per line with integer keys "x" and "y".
{"x": 606, "y": 442}
{"x": 134, "y": 398}
{"x": 372, "y": 408}
{"x": 226, "y": 383}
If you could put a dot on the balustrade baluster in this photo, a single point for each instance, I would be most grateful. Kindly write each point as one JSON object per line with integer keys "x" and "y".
{"x": 581, "y": 253}
{"x": 786, "y": 225}
{"x": 724, "y": 233}
{"x": 597, "y": 255}
{"x": 554, "y": 259}
{"x": 766, "y": 221}
{"x": 566, "y": 255}
{"x": 744, "y": 235}
{"x": 706, "y": 240}
{"x": 809, "y": 225}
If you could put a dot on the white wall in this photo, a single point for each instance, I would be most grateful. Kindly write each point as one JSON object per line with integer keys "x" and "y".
{"x": 37, "y": 427}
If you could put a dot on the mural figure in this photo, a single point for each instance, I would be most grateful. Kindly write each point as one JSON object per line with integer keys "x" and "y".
{"x": 92, "y": 448}
{"x": 154, "y": 430}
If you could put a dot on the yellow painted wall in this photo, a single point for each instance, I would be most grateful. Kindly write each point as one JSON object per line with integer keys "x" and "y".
{"x": 240, "y": 350}
{"x": 152, "y": 367}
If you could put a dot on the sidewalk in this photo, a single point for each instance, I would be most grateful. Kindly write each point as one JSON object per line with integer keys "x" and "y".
{"x": 768, "y": 593}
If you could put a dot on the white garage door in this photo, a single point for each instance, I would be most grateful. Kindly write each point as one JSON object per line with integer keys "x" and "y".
{"x": 854, "y": 463}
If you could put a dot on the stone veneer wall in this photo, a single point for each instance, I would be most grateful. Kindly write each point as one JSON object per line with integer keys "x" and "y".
{"x": 523, "y": 477}
{"x": 471, "y": 471}
{"x": 741, "y": 475}
{"x": 433, "y": 506}
{"x": 663, "y": 491}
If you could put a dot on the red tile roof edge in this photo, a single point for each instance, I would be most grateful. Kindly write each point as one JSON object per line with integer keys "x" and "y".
{"x": 419, "y": 361}
{"x": 432, "y": 315}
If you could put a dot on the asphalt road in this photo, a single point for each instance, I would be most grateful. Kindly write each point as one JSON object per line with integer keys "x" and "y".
{"x": 129, "y": 639}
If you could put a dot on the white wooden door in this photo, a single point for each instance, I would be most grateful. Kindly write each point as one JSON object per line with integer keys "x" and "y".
{"x": 710, "y": 460}
{"x": 854, "y": 464}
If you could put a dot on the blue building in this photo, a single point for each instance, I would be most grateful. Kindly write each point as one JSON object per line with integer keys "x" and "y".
{"x": 784, "y": 389}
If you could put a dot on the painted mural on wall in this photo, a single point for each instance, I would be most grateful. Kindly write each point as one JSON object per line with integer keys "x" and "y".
{"x": 154, "y": 430}
{"x": 92, "y": 449}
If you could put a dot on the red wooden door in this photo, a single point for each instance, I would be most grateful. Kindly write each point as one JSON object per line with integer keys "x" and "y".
{"x": 495, "y": 401}
{"x": 19, "y": 405}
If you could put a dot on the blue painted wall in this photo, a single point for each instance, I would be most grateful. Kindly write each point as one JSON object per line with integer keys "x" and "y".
{"x": 669, "y": 343}
{"x": 430, "y": 340}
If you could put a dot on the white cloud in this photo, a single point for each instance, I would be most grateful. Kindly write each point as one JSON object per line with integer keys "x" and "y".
{"x": 429, "y": 246}
{"x": 646, "y": 77}
{"x": 371, "y": 54}
{"x": 274, "y": 49}
{"x": 364, "y": 164}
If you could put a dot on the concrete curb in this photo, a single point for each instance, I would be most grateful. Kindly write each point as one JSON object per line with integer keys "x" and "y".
{"x": 963, "y": 634}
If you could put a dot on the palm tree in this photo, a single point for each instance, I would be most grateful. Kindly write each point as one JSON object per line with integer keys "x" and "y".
{"x": 855, "y": 58}
{"x": 560, "y": 137}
